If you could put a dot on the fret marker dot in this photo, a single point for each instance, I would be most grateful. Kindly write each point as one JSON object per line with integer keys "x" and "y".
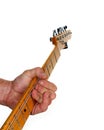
{"x": 24, "y": 110}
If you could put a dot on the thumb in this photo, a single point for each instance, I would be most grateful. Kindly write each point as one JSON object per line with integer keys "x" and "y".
{"x": 23, "y": 80}
{"x": 35, "y": 72}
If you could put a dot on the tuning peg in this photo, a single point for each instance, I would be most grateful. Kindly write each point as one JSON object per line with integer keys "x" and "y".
{"x": 59, "y": 30}
{"x": 65, "y": 27}
{"x": 54, "y": 33}
{"x": 66, "y": 45}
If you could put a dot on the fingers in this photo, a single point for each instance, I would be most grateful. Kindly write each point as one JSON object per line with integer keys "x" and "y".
{"x": 37, "y": 96}
{"x": 41, "y": 107}
{"x": 48, "y": 85}
{"x": 42, "y": 87}
{"x": 43, "y": 93}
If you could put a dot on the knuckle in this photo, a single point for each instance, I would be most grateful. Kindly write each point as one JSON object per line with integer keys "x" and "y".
{"x": 44, "y": 108}
{"x": 26, "y": 73}
{"x": 38, "y": 69}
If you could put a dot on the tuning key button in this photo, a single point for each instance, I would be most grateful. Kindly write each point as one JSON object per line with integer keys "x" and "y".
{"x": 65, "y": 27}
{"x": 54, "y": 33}
{"x": 59, "y": 30}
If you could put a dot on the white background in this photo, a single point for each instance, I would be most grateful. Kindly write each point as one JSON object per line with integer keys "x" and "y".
{"x": 25, "y": 29}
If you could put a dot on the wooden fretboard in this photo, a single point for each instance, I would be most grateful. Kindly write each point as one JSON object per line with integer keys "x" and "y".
{"x": 24, "y": 107}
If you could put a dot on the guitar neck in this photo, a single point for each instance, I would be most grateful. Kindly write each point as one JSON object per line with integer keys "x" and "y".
{"x": 23, "y": 109}
{"x": 50, "y": 63}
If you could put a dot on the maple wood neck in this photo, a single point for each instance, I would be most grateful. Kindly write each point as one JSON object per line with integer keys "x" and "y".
{"x": 23, "y": 109}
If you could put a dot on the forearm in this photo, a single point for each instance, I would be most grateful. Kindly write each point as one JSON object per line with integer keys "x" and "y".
{"x": 5, "y": 87}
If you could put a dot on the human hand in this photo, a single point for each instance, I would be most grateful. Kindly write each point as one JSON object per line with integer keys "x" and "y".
{"x": 43, "y": 93}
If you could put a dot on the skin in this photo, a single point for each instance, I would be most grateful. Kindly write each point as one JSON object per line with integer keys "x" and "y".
{"x": 44, "y": 92}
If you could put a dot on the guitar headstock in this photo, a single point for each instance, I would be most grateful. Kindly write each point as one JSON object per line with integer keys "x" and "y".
{"x": 61, "y": 37}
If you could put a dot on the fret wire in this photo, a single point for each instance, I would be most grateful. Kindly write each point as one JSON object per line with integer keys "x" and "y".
{"x": 53, "y": 60}
{"x": 52, "y": 63}
{"x": 19, "y": 126}
{"x": 47, "y": 69}
{"x": 11, "y": 127}
{"x": 49, "y": 66}
{"x": 12, "y": 122}
{"x": 55, "y": 56}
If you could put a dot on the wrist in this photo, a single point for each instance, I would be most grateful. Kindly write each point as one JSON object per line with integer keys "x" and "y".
{"x": 5, "y": 88}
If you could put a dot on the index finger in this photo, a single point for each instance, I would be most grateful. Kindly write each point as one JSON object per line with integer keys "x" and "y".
{"x": 48, "y": 85}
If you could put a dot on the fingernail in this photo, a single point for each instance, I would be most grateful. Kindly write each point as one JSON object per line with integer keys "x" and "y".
{"x": 40, "y": 99}
{"x": 41, "y": 82}
{"x": 53, "y": 96}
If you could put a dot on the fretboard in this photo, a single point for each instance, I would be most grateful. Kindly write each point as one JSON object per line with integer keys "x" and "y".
{"x": 23, "y": 109}
{"x": 50, "y": 63}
